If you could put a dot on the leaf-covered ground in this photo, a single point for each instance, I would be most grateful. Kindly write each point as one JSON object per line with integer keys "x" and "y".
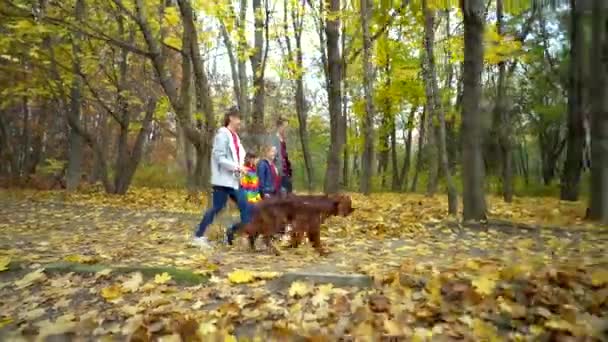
{"x": 534, "y": 272}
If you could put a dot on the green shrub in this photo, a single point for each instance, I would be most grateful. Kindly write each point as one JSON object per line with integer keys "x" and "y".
{"x": 159, "y": 176}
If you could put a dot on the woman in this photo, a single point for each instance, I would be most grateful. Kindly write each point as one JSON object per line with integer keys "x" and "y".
{"x": 227, "y": 158}
{"x": 268, "y": 174}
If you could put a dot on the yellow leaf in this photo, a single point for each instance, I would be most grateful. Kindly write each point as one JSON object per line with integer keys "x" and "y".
{"x": 514, "y": 309}
{"x": 266, "y": 275}
{"x": 485, "y": 331}
{"x": 104, "y": 272}
{"x": 392, "y": 328}
{"x": 561, "y": 325}
{"x": 47, "y": 328}
{"x": 240, "y": 277}
{"x": 81, "y": 259}
{"x": 5, "y": 321}
{"x": 133, "y": 283}
{"x": 4, "y": 261}
{"x": 599, "y": 277}
{"x": 206, "y": 328}
{"x": 174, "y": 42}
{"x": 30, "y": 278}
{"x": 299, "y": 289}
{"x": 162, "y": 278}
{"x": 171, "y": 16}
{"x": 111, "y": 292}
{"x": 229, "y": 338}
{"x": 170, "y": 338}
{"x": 484, "y": 284}
{"x": 472, "y": 264}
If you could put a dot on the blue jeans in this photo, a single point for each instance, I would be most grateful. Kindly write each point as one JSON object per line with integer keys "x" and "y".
{"x": 286, "y": 185}
{"x": 219, "y": 199}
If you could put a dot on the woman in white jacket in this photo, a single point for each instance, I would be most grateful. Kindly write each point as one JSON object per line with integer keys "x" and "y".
{"x": 227, "y": 158}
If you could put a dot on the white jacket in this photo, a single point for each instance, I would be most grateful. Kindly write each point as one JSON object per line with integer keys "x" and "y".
{"x": 224, "y": 162}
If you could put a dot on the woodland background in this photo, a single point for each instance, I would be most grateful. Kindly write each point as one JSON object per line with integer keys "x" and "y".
{"x": 421, "y": 95}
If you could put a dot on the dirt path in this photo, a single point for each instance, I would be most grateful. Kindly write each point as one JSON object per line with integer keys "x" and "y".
{"x": 38, "y": 233}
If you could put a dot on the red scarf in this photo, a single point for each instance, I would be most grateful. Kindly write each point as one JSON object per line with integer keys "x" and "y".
{"x": 275, "y": 176}
{"x": 235, "y": 140}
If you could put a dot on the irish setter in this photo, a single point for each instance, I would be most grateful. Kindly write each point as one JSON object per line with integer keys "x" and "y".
{"x": 306, "y": 213}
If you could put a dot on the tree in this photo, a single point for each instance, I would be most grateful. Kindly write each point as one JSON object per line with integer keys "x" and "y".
{"x": 368, "y": 122}
{"x": 598, "y": 204}
{"x": 501, "y": 114}
{"x": 576, "y": 131}
{"x": 75, "y": 140}
{"x": 258, "y": 65}
{"x": 297, "y": 72}
{"x": 434, "y": 105}
{"x": 334, "y": 92}
{"x": 473, "y": 196}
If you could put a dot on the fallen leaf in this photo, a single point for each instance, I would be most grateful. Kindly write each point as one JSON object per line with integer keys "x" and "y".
{"x": 266, "y": 275}
{"x": 599, "y": 277}
{"x": 240, "y": 277}
{"x": 81, "y": 259}
{"x": 31, "y": 278}
{"x": 4, "y": 261}
{"x": 5, "y": 321}
{"x": 162, "y": 278}
{"x": 104, "y": 272}
{"x": 48, "y": 328}
{"x": 34, "y": 314}
{"x": 392, "y": 328}
{"x": 133, "y": 283}
{"x": 206, "y": 328}
{"x": 484, "y": 284}
{"x": 299, "y": 289}
{"x": 111, "y": 292}
{"x": 170, "y": 338}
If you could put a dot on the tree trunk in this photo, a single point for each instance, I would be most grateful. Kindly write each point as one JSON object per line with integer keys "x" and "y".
{"x": 403, "y": 178}
{"x": 297, "y": 16}
{"x": 75, "y": 140}
{"x": 7, "y": 151}
{"x": 502, "y": 115}
{"x": 123, "y": 181}
{"x": 474, "y": 204}
{"x": 368, "y": 122}
{"x": 334, "y": 91}
{"x": 395, "y": 181}
{"x": 419, "y": 156}
{"x": 26, "y": 137}
{"x": 345, "y": 99}
{"x": 234, "y": 72}
{"x": 524, "y": 162}
{"x": 37, "y": 145}
{"x": 102, "y": 127}
{"x": 258, "y": 66}
{"x": 384, "y": 150}
{"x": 598, "y": 204}
{"x": 204, "y": 102}
{"x": 434, "y": 105}
{"x": 428, "y": 66}
{"x": 576, "y": 132}
{"x": 122, "y": 157}
{"x": 243, "y": 48}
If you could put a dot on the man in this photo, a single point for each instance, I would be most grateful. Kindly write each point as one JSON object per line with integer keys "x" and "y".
{"x": 227, "y": 158}
{"x": 282, "y": 159}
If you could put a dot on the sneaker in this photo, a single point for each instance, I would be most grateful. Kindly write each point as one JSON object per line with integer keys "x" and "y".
{"x": 229, "y": 237}
{"x": 201, "y": 242}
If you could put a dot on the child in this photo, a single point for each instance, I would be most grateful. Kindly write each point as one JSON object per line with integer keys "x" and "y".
{"x": 249, "y": 187}
{"x": 268, "y": 174}
{"x": 249, "y": 180}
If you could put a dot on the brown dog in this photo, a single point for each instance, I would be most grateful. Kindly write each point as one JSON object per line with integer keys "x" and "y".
{"x": 305, "y": 212}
